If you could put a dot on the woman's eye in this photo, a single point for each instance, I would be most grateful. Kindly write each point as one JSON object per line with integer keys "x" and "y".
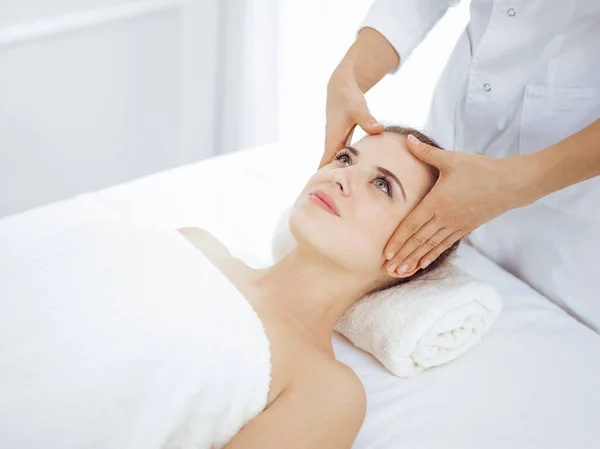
{"x": 343, "y": 159}
{"x": 383, "y": 185}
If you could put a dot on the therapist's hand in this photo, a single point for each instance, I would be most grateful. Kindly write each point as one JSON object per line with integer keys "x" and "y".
{"x": 471, "y": 190}
{"x": 346, "y": 107}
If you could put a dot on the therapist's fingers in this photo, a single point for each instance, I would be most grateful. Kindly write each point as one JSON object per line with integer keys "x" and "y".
{"x": 471, "y": 190}
{"x": 414, "y": 259}
{"x": 339, "y": 134}
{"x": 408, "y": 240}
{"x": 438, "y": 250}
{"x": 429, "y": 154}
{"x": 368, "y": 123}
{"x": 346, "y": 107}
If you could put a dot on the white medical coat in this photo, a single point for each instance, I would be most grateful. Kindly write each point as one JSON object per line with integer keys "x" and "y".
{"x": 523, "y": 75}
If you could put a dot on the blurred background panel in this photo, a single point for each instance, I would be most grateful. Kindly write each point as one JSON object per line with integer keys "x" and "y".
{"x": 99, "y": 92}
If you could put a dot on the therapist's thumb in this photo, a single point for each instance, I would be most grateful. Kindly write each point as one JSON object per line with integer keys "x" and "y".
{"x": 426, "y": 153}
{"x": 368, "y": 123}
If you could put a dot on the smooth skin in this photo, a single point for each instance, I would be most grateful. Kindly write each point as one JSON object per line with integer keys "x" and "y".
{"x": 314, "y": 401}
{"x": 319, "y": 415}
{"x": 472, "y": 189}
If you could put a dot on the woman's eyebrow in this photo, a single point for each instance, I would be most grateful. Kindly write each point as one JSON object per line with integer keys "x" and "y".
{"x": 385, "y": 171}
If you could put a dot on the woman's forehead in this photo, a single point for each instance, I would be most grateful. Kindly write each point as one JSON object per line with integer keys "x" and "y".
{"x": 385, "y": 148}
{"x": 389, "y": 150}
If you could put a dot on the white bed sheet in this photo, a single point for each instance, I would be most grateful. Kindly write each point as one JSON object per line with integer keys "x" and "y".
{"x": 534, "y": 381}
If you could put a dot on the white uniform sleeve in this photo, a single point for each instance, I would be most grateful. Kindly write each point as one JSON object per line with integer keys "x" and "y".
{"x": 405, "y": 23}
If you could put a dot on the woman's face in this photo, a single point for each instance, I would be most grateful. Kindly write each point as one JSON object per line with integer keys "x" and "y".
{"x": 370, "y": 187}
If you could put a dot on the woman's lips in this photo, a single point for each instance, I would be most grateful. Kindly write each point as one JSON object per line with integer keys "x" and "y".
{"x": 324, "y": 201}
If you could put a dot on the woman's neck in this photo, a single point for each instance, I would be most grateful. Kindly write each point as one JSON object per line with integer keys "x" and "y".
{"x": 311, "y": 290}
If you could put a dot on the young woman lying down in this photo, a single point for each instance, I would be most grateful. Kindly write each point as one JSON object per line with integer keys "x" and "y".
{"x": 119, "y": 338}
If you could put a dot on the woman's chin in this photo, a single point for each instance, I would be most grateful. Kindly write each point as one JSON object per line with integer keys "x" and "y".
{"x": 313, "y": 225}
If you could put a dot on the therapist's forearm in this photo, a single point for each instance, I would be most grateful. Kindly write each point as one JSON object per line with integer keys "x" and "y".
{"x": 565, "y": 163}
{"x": 369, "y": 59}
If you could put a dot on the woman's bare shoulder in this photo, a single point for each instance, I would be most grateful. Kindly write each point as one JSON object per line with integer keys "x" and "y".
{"x": 327, "y": 372}
{"x": 197, "y": 234}
{"x": 205, "y": 241}
{"x": 350, "y": 380}
{"x": 220, "y": 256}
{"x": 334, "y": 395}
{"x": 326, "y": 409}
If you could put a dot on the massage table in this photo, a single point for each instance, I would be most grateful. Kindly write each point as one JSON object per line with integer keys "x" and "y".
{"x": 533, "y": 382}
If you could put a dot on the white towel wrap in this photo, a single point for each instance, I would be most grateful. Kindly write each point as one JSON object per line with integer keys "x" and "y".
{"x": 122, "y": 337}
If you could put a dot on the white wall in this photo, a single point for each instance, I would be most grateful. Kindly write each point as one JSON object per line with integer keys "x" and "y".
{"x": 248, "y": 74}
{"x": 97, "y": 92}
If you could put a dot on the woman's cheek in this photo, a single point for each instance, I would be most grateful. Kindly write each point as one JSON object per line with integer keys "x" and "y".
{"x": 377, "y": 228}
{"x": 317, "y": 178}
{"x": 388, "y": 223}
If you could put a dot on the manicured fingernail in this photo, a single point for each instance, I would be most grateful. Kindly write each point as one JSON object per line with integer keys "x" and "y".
{"x": 413, "y": 139}
{"x": 375, "y": 124}
{"x": 425, "y": 263}
{"x": 403, "y": 268}
{"x": 391, "y": 268}
{"x": 389, "y": 256}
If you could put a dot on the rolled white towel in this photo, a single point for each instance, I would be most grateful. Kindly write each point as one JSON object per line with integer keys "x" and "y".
{"x": 417, "y": 325}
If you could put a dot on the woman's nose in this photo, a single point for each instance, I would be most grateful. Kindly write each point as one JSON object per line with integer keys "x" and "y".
{"x": 341, "y": 179}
